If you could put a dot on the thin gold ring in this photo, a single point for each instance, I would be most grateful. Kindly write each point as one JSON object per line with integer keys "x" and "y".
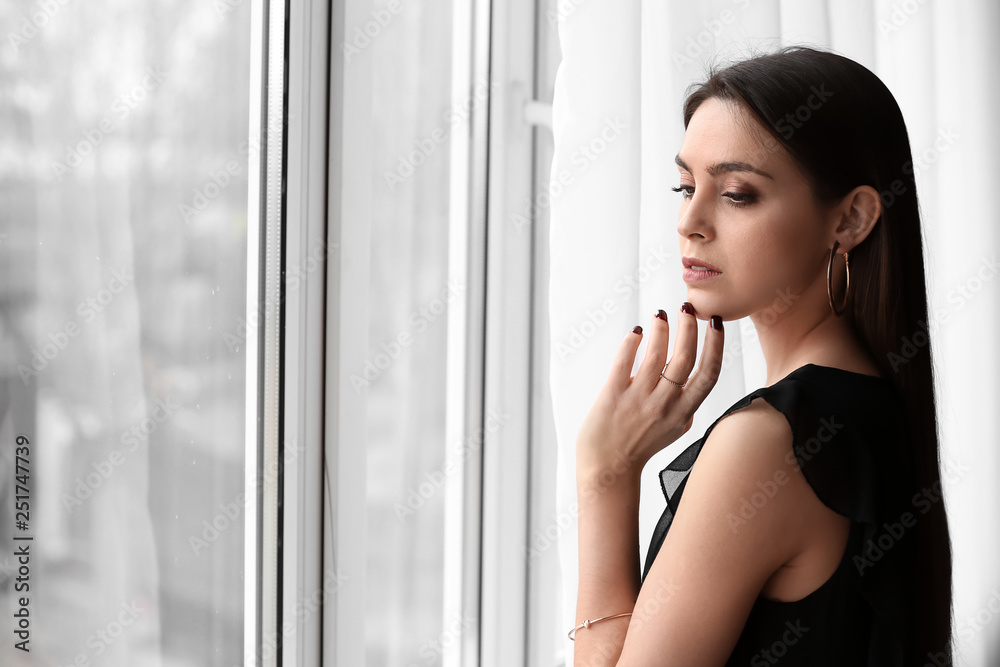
{"x": 668, "y": 379}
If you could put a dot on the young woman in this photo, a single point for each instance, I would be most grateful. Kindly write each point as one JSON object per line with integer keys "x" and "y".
{"x": 807, "y": 527}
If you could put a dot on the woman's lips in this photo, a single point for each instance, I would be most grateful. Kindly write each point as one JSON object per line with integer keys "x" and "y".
{"x": 699, "y": 275}
{"x": 691, "y": 262}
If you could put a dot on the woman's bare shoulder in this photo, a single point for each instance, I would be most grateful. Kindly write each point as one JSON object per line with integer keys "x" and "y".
{"x": 711, "y": 567}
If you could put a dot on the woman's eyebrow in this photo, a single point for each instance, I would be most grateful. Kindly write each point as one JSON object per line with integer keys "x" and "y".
{"x": 720, "y": 167}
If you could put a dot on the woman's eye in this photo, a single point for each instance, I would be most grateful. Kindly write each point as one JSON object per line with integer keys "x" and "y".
{"x": 737, "y": 199}
{"x": 688, "y": 190}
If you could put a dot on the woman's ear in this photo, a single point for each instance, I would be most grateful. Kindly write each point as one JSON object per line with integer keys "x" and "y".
{"x": 856, "y": 215}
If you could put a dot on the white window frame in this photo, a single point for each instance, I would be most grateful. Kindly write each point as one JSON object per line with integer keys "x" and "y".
{"x": 263, "y": 342}
{"x": 284, "y": 416}
{"x": 307, "y": 249}
{"x": 326, "y": 204}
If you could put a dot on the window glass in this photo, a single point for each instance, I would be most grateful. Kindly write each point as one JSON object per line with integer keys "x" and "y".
{"x": 404, "y": 372}
{"x": 123, "y": 231}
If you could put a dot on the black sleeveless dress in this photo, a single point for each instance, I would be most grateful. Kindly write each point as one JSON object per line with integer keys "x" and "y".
{"x": 848, "y": 439}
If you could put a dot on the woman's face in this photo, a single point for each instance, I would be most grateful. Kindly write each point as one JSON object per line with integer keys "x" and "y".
{"x": 748, "y": 211}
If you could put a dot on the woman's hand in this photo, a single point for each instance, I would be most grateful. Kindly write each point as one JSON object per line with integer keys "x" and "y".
{"x": 635, "y": 417}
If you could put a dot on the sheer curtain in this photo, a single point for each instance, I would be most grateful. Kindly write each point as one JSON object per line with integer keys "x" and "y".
{"x": 614, "y": 248}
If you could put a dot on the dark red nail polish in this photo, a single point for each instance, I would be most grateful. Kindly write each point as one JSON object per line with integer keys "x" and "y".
{"x": 662, "y": 315}
{"x": 686, "y": 307}
{"x": 716, "y": 322}
{"x": 637, "y": 329}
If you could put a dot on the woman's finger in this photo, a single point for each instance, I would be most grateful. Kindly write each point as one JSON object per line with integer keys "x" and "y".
{"x": 709, "y": 367}
{"x": 656, "y": 352}
{"x": 621, "y": 366}
{"x": 685, "y": 349}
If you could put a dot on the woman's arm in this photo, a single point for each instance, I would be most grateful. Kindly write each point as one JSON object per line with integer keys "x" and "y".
{"x": 632, "y": 419}
{"x": 711, "y": 567}
{"x": 609, "y": 567}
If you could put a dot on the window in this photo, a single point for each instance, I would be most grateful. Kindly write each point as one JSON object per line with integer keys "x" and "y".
{"x": 271, "y": 341}
{"x": 403, "y": 373}
{"x": 125, "y": 160}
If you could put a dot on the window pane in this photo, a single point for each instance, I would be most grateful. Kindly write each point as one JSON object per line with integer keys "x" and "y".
{"x": 546, "y": 634}
{"x": 123, "y": 192}
{"x": 406, "y": 363}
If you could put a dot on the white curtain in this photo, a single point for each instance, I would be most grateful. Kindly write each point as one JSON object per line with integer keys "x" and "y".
{"x": 614, "y": 247}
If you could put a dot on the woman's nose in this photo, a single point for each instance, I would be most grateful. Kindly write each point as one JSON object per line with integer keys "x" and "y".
{"x": 694, "y": 219}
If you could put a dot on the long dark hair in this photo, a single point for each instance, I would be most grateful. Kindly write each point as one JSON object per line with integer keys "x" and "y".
{"x": 843, "y": 128}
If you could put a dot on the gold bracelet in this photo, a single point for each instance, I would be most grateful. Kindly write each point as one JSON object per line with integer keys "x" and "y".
{"x": 588, "y": 623}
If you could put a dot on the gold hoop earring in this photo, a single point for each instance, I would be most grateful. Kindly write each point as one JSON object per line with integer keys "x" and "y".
{"x": 829, "y": 280}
